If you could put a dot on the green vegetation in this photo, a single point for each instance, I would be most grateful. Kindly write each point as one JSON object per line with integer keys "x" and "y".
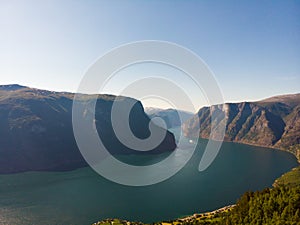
{"x": 271, "y": 206}
{"x": 290, "y": 179}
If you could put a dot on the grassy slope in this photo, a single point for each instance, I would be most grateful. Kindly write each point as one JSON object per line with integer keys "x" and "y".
{"x": 291, "y": 178}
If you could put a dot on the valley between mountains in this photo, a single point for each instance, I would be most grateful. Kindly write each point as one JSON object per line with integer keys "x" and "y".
{"x": 36, "y": 126}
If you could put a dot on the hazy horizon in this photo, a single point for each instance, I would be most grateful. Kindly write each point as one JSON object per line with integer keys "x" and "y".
{"x": 155, "y": 107}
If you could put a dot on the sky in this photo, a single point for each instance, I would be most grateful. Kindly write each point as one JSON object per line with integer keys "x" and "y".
{"x": 252, "y": 47}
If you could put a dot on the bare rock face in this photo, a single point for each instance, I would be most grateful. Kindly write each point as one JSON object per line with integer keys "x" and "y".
{"x": 274, "y": 122}
{"x": 36, "y": 130}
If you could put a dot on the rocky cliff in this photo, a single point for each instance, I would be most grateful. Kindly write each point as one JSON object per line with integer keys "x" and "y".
{"x": 273, "y": 122}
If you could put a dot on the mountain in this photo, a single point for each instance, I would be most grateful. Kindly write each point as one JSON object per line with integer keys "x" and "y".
{"x": 170, "y": 116}
{"x": 273, "y": 122}
{"x": 36, "y": 130}
{"x": 11, "y": 87}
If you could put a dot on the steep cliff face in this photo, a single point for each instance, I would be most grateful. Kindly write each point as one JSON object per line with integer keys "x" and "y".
{"x": 274, "y": 122}
{"x": 290, "y": 139}
{"x": 36, "y": 129}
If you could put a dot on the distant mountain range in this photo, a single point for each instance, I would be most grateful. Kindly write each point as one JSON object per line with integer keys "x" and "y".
{"x": 170, "y": 116}
{"x": 36, "y": 129}
{"x": 273, "y": 122}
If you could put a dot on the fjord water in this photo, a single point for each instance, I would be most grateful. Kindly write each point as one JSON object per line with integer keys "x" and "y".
{"x": 83, "y": 197}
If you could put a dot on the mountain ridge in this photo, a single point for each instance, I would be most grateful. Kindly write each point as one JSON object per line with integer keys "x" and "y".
{"x": 36, "y": 131}
{"x": 273, "y": 123}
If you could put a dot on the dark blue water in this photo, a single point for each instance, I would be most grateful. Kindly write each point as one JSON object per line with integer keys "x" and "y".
{"x": 83, "y": 197}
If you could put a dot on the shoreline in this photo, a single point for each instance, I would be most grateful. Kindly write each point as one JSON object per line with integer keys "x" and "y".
{"x": 198, "y": 215}
{"x": 190, "y": 218}
{"x": 297, "y": 155}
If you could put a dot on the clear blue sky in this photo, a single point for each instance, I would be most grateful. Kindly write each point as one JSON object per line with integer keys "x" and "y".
{"x": 253, "y": 47}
